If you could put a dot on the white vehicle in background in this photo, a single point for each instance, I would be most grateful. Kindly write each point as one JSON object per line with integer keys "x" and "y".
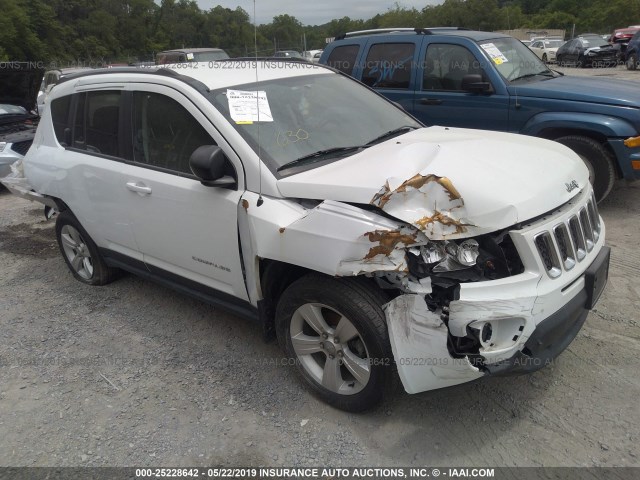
{"x": 19, "y": 117}
{"x": 369, "y": 245}
{"x": 51, "y": 78}
{"x": 312, "y": 56}
{"x": 546, "y": 48}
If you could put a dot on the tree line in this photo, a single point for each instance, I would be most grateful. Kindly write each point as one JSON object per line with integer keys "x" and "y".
{"x": 114, "y": 31}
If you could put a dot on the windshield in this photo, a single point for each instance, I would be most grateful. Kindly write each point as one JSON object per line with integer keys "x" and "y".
{"x": 8, "y": 109}
{"x": 209, "y": 56}
{"x": 513, "y": 60}
{"x": 591, "y": 42}
{"x": 310, "y": 114}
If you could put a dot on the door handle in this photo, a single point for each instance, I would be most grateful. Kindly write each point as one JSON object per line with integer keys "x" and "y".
{"x": 430, "y": 101}
{"x": 140, "y": 188}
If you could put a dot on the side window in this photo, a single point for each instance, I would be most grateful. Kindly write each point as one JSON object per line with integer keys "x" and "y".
{"x": 446, "y": 65}
{"x": 60, "y": 116}
{"x": 343, "y": 58}
{"x": 388, "y": 65}
{"x": 165, "y": 134}
{"x": 96, "y": 122}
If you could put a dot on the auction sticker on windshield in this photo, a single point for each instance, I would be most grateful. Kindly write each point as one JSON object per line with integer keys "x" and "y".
{"x": 494, "y": 52}
{"x": 248, "y": 107}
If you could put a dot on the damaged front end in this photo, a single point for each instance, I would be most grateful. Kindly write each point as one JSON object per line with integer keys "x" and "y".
{"x": 468, "y": 303}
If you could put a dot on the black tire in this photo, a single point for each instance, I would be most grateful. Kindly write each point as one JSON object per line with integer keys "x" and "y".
{"x": 360, "y": 303}
{"x": 544, "y": 58}
{"x": 581, "y": 62}
{"x": 560, "y": 61}
{"x": 602, "y": 173}
{"x": 632, "y": 62}
{"x": 91, "y": 268}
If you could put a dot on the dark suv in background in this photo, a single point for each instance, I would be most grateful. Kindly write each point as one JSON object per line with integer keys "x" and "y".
{"x": 470, "y": 79}
{"x": 632, "y": 53}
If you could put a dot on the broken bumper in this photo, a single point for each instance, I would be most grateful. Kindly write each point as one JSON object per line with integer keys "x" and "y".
{"x": 553, "y": 335}
{"x": 532, "y": 317}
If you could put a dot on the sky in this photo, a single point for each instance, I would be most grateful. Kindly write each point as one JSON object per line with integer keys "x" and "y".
{"x": 314, "y": 12}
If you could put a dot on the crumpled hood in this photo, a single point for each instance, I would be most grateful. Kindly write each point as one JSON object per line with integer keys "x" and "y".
{"x": 450, "y": 183}
{"x": 582, "y": 89}
{"x": 19, "y": 85}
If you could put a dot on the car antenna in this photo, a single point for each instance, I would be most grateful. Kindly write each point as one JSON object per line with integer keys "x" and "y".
{"x": 255, "y": 47}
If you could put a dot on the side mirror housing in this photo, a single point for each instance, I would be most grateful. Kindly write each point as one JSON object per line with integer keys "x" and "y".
{"x": 211, "y": 166}
{"x": 474, "y": 83}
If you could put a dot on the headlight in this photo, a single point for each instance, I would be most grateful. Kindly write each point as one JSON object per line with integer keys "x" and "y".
{"x": 449, "y": 256}
{"x": 2, "y": 146}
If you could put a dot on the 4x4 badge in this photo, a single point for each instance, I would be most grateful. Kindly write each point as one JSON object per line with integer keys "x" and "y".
{"x": 571, "y": 186}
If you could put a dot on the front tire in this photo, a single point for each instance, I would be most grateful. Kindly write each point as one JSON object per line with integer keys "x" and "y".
{"x": 80, "y": 252}
{"x": 632, "y": 62}
{"x": 602, "y": 173}
{"x": 544, "y": 58}
{"x": 336, "y": 331}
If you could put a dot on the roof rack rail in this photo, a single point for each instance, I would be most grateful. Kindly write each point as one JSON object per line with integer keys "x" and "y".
{"x": 374, "y": 31}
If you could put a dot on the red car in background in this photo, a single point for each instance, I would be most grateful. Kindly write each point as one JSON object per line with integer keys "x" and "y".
{"x": 620, "y": 39}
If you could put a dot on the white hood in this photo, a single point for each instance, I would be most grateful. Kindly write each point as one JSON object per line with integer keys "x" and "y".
{"x": 451, "y": 183}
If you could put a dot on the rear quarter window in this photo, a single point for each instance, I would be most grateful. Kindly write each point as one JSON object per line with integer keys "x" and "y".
{"x": 343, "y": 58}
{"x": 388, "y": 65}
{"x": 60, "y": 117}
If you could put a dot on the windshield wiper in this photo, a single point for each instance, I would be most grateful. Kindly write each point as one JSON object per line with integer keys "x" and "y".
{"x": 391, "y": 133}
{"x": 319, "y": 155}
{"x": 545, "y": 73}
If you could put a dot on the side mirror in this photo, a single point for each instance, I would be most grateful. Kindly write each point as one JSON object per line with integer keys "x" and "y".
{"x": 474, "y": 83}
{"x": 210, "y": 165}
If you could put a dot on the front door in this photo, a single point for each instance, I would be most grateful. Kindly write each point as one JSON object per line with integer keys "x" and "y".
{"x": 184, "y": 229}
{"x": 440, "y": 99}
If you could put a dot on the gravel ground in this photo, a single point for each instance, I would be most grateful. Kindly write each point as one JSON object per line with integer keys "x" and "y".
{"x": 136, "y": 374}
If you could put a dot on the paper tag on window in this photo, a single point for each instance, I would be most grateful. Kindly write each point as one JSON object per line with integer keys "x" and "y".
{"x": 189, "y": 56}
{"x": 494, "y": 52}
{"x": 249, "y": 107}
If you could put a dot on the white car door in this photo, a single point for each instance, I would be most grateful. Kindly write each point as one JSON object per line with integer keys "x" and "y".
{"x": 187, "y": 232}
{"x": 537, "y": 48}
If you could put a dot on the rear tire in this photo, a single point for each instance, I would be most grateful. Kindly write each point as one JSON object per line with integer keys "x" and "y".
{"x": 80, "y": 252}
{"x": 602, "y": 173}
{"x": 336, "y": 332}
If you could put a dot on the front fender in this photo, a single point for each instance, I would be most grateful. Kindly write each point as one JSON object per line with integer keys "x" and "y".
{"x": 610, "y": 127}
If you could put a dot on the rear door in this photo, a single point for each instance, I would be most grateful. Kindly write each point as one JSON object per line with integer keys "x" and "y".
{"x": 389, "y": 67}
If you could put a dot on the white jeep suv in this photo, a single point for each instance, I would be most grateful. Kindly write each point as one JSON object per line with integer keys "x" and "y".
{"x": 370, "y": 246}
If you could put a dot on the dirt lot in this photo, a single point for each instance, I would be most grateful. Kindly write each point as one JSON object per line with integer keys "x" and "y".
{"x": 135, "y": 374}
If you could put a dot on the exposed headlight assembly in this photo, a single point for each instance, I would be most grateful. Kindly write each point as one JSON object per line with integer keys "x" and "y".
{"x": 449, "y": 256}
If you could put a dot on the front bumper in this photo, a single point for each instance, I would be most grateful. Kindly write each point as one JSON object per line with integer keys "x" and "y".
{"x": 553, "y": 335}
{"x": 532, "y": 316}
{"x": 628, "y": 158}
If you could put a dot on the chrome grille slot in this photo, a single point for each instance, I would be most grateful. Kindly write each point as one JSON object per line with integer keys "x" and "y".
{"x": 587, "y": 229}
{"x": 595, "y": 218}
{"x": 567, "y": 255}
{"x": 577, "y": 238}
{"x": 547, "y": 250}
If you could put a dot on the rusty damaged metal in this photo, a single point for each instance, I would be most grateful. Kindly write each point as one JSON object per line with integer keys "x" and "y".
{"x": 428, "y": 202}
{"x": 416, "y": 182}
{"x": 443, "y": 219}
{"x": 281, "y": 229}
{"x": 388, "y": 241}
{"x": 245, "y": 204}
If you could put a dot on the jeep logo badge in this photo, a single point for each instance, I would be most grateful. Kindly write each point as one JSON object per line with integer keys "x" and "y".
{"x": 571, "y": 186}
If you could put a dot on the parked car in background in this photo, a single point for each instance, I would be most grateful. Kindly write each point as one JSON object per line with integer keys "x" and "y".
{"x": 19, "y": 85}
{"x": 585, "y": 51}
{"x": 287, "y": 54}
{"x": 546, "y": 49}
{"x": 51, "y": 78}
{"x": 620, "y": 39}
{"x": 368, "y": 244}
{"x": 186, "y": 55}
{"x": 492, "y": 81}
{"x": 312, "y": 55}
{"x": 632, "y": 53}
